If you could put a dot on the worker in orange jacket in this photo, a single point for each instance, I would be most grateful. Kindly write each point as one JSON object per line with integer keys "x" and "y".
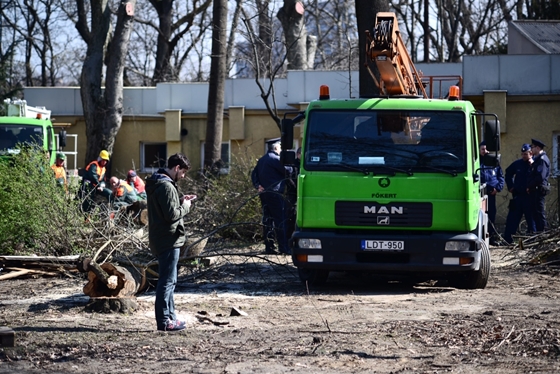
{"x": 60, "y": 170}
{"x": 93, "y": 181}
{"x": 123, "y": 193}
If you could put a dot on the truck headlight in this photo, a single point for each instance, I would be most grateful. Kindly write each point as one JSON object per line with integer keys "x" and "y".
{"x": 309, "y": 243}
{"x": 457, "y": 246}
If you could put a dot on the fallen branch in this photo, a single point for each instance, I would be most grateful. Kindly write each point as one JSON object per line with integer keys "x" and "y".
{"x": 503, "y": 340}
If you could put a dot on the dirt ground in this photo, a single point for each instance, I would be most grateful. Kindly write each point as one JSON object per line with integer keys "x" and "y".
{"x": 351, "y": 325}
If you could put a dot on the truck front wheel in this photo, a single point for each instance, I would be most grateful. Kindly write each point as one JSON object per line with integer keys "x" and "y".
{"x": 313, "y": 277}
{"x": 475, "y": 279}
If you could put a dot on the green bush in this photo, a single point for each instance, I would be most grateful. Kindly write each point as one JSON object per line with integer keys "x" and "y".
{"x": 37, "y": 215}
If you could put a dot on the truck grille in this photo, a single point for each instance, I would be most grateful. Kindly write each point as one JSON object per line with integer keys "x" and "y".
{"x": 367, "y": 213}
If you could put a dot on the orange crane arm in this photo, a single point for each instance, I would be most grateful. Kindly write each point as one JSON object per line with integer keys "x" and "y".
{"x": 388, "y": 51}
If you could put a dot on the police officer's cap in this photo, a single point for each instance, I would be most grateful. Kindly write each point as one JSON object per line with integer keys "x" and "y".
{"x": 538, "y": 143}
{"x": 273, "y": 141}
{"x": 482, "y": 143}
{"x": 525, "y": 148}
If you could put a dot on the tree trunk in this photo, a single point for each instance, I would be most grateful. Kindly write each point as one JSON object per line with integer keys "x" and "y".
{"x": 216, "y": 89}
{"x": 169, "y": 34}
{"x": 366, "y": 11}
{"x": 162, "y": 71}
{"x": 103, "y": 109}
{"x": 295, "y": 34}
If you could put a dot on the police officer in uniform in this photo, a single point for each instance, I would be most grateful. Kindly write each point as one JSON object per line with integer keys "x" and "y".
{"x": 520, "y": 205}
{"x": 537, "y": 183}
{"x": 494, "y": 179}
{"x": 269, "y": 178}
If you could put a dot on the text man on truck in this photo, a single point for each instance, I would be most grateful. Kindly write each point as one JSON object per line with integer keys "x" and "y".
{"x": 391, "y": 185}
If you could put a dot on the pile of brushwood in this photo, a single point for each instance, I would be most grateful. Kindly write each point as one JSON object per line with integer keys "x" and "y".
{"x": 40, "y": 218}
{"x": 538, "y": 250}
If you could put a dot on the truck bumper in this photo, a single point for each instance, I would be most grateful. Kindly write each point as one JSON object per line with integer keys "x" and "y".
{"x": 421, "y": 253}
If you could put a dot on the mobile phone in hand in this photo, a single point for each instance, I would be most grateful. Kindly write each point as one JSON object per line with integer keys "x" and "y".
{"x": 189, "y": 197}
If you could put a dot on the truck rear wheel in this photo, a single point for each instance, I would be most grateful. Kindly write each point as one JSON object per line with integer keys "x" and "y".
{"x": 313, "y": 277}
{"x": 475, "y": 279}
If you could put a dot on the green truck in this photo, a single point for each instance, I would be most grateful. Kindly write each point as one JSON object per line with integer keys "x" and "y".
{"x": 24, "y": 124}
{"x": 391, "y": 186}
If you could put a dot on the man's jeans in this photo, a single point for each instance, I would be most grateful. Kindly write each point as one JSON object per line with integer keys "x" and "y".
{"x": 165, "y": 306}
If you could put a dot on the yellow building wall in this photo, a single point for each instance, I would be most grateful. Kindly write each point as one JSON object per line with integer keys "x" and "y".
{"x": 126, "y": 155}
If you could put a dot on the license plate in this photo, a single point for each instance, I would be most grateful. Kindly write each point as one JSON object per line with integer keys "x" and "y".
{"x": 382, "y": 245}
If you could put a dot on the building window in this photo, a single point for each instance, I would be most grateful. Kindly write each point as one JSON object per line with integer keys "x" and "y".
{"x": 555, "y": 156}
{"x": 153, "y": 156}
{"x": 225, "y": 156}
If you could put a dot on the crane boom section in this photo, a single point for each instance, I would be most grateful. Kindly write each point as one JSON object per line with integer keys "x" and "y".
{"x": 388, "y": 51}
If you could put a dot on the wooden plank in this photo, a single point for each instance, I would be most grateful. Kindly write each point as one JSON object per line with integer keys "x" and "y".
{"x": 40, "y": 258}
{"x": 34, "y": 271}
{"x": 14, "y": 274}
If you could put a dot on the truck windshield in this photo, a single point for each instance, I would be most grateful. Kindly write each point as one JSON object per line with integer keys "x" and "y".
{"x": 386, "y": 141}
{"x": 13, "y": 134}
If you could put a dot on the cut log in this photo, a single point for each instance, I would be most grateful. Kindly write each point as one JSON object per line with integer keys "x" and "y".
{"x": 45, "y": 263}
{"x": 119, "y": 281}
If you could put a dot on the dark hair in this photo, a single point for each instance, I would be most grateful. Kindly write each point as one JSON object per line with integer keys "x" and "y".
{"x": 178, "y": 159}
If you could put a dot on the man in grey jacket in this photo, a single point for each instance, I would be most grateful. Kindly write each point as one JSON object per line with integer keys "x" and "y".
{"x": 167, "y": 234}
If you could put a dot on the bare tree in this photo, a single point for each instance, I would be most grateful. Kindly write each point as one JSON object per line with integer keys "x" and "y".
{"x": 175, "y": 20}
{"x": 445, "y": 30}
{"x": 265, "y": 66}
{"x": 33, "y": 21}
{"x": 216, "y": 91}
{"x": 300, "y": 47}
{"x": 103, "y": 108}
{"x": 334, "y": 24}
{"x": 10, "y": 81}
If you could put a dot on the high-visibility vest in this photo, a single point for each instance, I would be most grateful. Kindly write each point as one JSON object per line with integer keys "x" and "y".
{"x": 100, "y": 170}
{"x": 121, "y": 189}
{"x": 60, "y": 175}
{"x": 59, "y": 172}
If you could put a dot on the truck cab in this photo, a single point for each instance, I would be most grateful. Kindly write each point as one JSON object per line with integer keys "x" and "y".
{"x": 29, "y": 125}
{"x": 391, "y": 185}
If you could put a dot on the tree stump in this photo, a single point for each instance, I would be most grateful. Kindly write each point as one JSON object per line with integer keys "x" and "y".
{"x": 112, "y": 288}
{"x": 117, "y": 281}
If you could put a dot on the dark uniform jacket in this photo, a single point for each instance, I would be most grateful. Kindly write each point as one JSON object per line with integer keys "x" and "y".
{"x": 539, "y": 173}
{"x": 516, "y": 176}
{"x": 270, "y": 173}
{"x": 165, "y": 213}
{"x": 493, "y": 177}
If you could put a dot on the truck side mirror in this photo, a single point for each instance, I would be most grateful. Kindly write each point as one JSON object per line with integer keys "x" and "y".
{"x": 288, "y": 157}
{"x": 491, "y": 160}
{"x": 492, "y": 135}
{"x": 287, "y": 137}
{"x": 62, "y": 138}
